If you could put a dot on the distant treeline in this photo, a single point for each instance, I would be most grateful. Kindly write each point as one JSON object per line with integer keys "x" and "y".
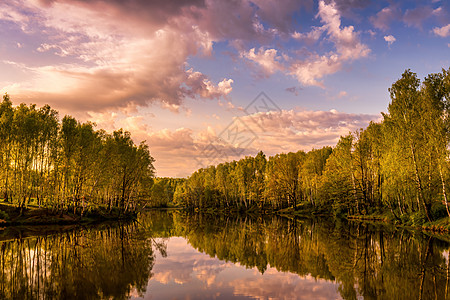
{"x": 67, "y": 164}
{"x": 400, "y": 164}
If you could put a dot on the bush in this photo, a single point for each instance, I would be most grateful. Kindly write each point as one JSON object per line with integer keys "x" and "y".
{"x": 418, "y": 218}
{"x": 340, "y": 211}
{"x": 4, "y": 215}
{"x": 438, "y": 211}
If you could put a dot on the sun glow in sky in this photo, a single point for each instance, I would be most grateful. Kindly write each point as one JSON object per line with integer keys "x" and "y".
{"x": 186, "y": 75}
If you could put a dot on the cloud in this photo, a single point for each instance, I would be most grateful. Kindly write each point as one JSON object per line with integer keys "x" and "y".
{"x": 199, "y": 84}
{"x": 390, "y": 39}
{"x": 385, "y": 17}
{"x": 143, "y": 58}
{"x": 345, "y": 7}
{"x": 267, "y": 60}
{"x": 309, "y": 71}
{"x": 180, "y": 152}
{"x": 415, "y": 17}
{"x": 114, "y": 65}
{"x": 310, "y": 37}
{"x": 442, "y": 31}
{"x": 280, "y": 14}
{"x": 345, "y": 39}
{"x": 293, "y": 130}
{"x": 342, "y": 94}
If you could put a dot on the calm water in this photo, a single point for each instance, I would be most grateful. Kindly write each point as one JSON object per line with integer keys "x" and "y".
{"x": 169, "y": 255}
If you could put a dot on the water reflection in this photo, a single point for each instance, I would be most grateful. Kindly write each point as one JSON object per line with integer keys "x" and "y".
{"x": 171, "y": 255}
{"x": 87, "y": 263}
{"x": 359, "y": 260}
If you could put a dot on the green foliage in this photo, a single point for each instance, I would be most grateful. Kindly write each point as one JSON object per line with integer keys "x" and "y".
{"x": 418, "y": 218}
{"x": 62, "y": 164}
{"x": 400, "y": 165}
{"x": 438, "y": 211}
{"x": 4, "y": 215}
{"x": 163, "y": 190}
{"x": 340, "y": 211}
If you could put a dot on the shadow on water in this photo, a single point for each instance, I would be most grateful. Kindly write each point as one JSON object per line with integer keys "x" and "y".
{"x": 115, "y": 261}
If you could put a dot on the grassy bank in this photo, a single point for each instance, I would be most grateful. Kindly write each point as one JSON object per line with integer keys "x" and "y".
{"x": 440, "y": 221}
{"x": 439, "y": 224}
{"x": 33, "y": 215}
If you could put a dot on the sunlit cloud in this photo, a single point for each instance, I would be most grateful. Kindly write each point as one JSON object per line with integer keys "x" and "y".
{"x": 347, "y": 44}
{"x": 390, "y": 39}
{"x": 182, "y": 151}
{"x": 442, "y": 31}
{"x": 112, "y": 65}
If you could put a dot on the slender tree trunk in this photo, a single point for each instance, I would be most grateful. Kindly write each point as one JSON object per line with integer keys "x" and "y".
{"x": 399, "y": 204}
{"x": 443, "y": 189}
{"x": 354, "y": 194}
{"x": 419, "y": 183}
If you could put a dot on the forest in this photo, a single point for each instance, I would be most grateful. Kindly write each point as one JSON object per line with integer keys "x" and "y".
{"x": 398, "y": 166}
{"x": 68, "y": 165}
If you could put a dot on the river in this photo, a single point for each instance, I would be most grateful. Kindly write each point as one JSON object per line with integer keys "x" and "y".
{"x": 172, "y": 255}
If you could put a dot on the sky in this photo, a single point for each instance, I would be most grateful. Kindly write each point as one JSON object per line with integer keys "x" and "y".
{"x": 207, "y": 81}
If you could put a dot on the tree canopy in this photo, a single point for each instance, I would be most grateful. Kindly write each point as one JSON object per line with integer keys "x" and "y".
{"x": 66, "y": 164}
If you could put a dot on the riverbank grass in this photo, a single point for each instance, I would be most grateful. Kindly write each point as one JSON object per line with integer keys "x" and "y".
{"x": 35, "y": 215}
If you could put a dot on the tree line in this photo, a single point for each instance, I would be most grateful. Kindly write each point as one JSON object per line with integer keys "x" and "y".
{"x": 68, "y": 165}
{"x": 400, "y": 164}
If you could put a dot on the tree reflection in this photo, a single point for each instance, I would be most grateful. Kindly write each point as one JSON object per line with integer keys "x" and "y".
{"x": 364, "y": 260}
{"x": 115, "y": 262}
{"x": 79, "y": 264}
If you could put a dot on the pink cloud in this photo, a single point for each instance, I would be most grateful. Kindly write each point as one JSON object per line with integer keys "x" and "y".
{"x": 347, "y": 44}
{"x": 308, "y": 72}
{"x": 140, "y": 62}
{"x": 314, "y": 67}
{"x": 180, "y": 152}
{"x": 267, "y": 60}
{"x": 385, "y": 17}
{"x": 346, "y": 40}
{"x": 310, "y": 37}
{"x": 143, "y": 58}
{"x": 390, "y": 39}
{"x": 442, "y": 31}
{"x": 415, "y": 17}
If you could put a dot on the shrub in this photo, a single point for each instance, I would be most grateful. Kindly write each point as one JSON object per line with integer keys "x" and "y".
{"x": 438, "y": 211}
{"x": 4, "y": 215}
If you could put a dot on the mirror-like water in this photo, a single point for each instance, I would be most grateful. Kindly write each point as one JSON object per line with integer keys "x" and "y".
{"x": 170, "y": 255}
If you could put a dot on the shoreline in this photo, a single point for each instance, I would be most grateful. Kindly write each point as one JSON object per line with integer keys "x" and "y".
{"x": 35, "y": 216}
